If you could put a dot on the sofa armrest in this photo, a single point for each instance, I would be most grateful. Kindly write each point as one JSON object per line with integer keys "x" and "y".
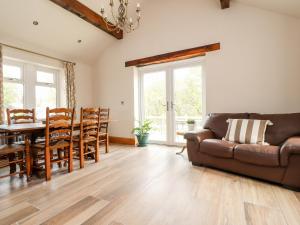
{"x": 290, "y": 147}
{"x": 199, "y": 136}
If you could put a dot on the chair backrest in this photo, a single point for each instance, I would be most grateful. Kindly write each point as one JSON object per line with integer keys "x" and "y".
{"x": 59, "y": 125}
{"x": 89, "y": 123}
{"x": 104, "y": 116}
{"x": 18, "y": 116}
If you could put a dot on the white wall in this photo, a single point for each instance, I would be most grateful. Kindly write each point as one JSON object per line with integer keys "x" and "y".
{"x": 257, "y": 69}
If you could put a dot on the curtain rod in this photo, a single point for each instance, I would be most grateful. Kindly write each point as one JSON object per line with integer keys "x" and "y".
{"x": 36, "y": 53}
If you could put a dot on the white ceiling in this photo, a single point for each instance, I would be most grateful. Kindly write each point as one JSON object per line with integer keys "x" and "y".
{"x": 288, "y": 7}
{"x": 59, "y": 30}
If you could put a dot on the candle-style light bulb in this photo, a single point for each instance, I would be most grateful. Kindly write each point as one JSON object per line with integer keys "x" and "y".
{"x": 102, "y": 11}
{"x": 130, "y": 20}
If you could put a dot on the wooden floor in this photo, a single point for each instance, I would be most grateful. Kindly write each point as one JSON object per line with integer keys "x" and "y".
{"x": 149, "y": 186}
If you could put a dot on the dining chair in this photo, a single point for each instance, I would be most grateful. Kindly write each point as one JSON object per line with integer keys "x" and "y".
{"x": 13, "y": 154}
{"x": 58, "y": 145}
{"x": 103, "y": 133}
{"x": 87, "y": 143}
{"x": 19, "y": 116}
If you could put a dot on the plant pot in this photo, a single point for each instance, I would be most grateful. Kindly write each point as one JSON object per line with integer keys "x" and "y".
{"x": 191, "y": 127}
{"x": 142, "y": 140}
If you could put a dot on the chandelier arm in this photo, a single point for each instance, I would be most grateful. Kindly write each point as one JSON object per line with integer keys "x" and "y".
{"x": 113, "y": 15}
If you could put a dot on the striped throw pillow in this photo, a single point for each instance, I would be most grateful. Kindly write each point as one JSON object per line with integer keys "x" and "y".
{"x": 247, "y": 131}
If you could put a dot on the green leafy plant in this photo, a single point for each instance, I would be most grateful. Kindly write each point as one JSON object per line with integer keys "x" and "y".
{"x": 143, "y": 128}
{"x": 190, "y": 121}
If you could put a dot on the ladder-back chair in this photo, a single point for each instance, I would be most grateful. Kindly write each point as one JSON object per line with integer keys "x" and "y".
{"x": 58, "y": 139}
{"x": 103, "y": 134}
{"x": 19, "y": 116}
{"x": 88, "y": 139}
{"x": 20, "y": 156}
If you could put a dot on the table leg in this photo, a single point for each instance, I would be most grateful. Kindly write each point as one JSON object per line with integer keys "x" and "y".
{"x": 13, "y": 166}
{"x": 182, "y": 150}
{"x": 12, "y": 157}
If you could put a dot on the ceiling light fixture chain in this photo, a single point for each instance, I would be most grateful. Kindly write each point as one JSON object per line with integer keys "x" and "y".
{"x": 121, "y": 20}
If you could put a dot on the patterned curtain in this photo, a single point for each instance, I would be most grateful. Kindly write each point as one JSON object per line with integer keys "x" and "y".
{"x": 1, "y": 88}
{"x": 70, "y": 85}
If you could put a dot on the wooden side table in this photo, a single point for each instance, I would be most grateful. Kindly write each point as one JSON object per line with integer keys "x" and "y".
{"x": 181, "y": 133}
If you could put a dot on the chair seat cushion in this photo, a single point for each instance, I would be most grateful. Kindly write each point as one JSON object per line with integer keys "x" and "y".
{"x": 85, "y": 140}
{"x": 11, "y": 148}
{"x": 53, "y": 145}
{"x": 263, "y": 155}
{"x": 218, "y": 148}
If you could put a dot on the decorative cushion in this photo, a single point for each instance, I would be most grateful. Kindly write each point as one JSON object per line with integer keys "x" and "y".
{"x": 218, "y": 148}
{"x": 262, "y": 155}
{"x": 246, "y": 131}
{"x": 216, "y": 122}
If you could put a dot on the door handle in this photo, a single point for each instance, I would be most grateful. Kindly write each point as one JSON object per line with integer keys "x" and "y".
{"x": 172, "y": 105}
{"x": 166, "y": 105}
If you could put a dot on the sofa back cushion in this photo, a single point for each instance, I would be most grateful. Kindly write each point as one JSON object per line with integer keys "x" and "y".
{"x": 216, "y": 122}
{"x": 284, "y": 126}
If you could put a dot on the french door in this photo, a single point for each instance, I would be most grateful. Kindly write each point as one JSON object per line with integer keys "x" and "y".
{"x": 170, "y": 95}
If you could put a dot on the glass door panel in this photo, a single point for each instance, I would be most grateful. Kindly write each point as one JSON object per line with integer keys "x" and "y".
{"x": 155, "y": 104}
{"x": 187, "y": 102}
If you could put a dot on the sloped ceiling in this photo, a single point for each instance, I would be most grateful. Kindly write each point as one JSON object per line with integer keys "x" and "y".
{"x": 57, "y": 33}
{"x": 59, "y": 30}
{"x": 288, "y": 7}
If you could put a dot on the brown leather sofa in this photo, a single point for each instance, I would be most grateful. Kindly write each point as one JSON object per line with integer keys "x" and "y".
{"x": 279, "y": 162}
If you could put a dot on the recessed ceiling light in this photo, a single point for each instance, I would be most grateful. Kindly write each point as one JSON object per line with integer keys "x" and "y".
{"x": 79, "y": 41}
{"x": 35, "y": 23}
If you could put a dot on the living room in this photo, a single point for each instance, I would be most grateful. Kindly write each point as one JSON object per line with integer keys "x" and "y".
{"x": 216, "y": 81}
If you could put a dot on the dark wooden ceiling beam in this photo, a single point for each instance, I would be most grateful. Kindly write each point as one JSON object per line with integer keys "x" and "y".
{"x": 87, "y": 14}
{"x": 174, "y": 56}
{"x": 225, "y": 4}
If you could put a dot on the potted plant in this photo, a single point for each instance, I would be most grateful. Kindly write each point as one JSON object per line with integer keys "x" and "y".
{"x": 142, "y": 132}
{"x": 191, "y": 124}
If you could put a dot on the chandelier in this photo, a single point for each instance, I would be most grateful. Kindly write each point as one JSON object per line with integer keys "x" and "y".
{"x": 121, "y": 21}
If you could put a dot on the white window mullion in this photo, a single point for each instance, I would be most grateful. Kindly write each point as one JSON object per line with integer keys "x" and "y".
{"x": 29, "y": 84}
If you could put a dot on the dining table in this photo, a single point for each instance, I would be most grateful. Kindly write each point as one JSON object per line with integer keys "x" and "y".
{"x": 32, "y": 130}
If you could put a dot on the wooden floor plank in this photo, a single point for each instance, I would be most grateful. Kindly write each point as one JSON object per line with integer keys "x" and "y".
{"x": 71, "y": 212}
{"x": 86, "y": 214}
{"x": 16, "y": 213}
{"x": 298, "y": 195}
{"x": 260, "y": 215}
{"x": 149, "y": 186}
{"x": 289, "y": 205}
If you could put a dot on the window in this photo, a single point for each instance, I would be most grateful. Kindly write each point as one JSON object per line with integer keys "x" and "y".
{"x": 30, "y": 86}
{"x": 13, "y": 86}
{"x": 45, "y": 92}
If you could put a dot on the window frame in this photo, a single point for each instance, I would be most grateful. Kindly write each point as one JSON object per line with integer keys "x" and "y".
{"x": 10, "y": 62}
{"x": 29, "y": 81}
{"x": 55, "y": 84}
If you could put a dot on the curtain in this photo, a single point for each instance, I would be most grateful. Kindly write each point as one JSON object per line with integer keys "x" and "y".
{"x": 70, "y": 85}
{"x": 1, "y": 88}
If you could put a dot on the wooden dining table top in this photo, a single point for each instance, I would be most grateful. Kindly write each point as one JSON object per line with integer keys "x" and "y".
{"x": 28, "y": 127}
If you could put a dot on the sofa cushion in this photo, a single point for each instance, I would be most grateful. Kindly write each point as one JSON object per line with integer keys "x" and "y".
{"x": 263, "y": 155}
{"x": 284, "y": 126}
{"x": 216, "y": 122}
{"x": 218, "y": 148}
{"x": 245, "y": 131}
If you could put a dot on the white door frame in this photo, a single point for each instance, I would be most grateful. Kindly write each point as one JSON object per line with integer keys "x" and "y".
{"x": 170, "y": 113}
